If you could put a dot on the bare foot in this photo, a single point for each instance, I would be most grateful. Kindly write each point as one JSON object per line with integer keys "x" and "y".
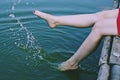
{"x": 49, "y": 18}
{"x": 65, "y": 66}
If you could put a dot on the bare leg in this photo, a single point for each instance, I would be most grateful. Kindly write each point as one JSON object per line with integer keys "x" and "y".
{"x": 81, "y": 20}
{"x": 101, "y": 28}
{"x": 105, "y": 24}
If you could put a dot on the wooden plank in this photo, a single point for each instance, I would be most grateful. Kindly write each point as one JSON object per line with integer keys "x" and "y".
{"x": 104, "y": 72}
{"x": 105, "y": 51}
{"x": 115, "y": 53}
{"x": 104, "y": 67}
{"x": 115, "y": 72}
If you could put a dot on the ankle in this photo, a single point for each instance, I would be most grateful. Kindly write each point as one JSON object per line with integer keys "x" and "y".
{"x": 72, "y": 63}
{"x": 56, "y": 20}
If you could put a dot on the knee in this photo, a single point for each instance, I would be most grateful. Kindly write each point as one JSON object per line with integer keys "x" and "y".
{"x": 97, "y": 29}
{"x": 101, "y": 15}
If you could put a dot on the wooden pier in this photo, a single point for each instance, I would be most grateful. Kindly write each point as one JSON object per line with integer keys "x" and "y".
{"x": 110, "y": 57}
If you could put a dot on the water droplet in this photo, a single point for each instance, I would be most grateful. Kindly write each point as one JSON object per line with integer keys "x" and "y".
{"x": 12, "y": 15}
{"x": 41, "y": 57}
{"x": 11, "y": 29}
{"x": 15, "y": 42}
{"x": 13, "y": 7}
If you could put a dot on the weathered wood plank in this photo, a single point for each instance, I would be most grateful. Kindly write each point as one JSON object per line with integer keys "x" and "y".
{"x": 103, "y": 62}
{"x": 115, "y": 72}
{"x": 115, "y": 53}
{"x": 104, "y": 72}
{"x": 105, "y": 50}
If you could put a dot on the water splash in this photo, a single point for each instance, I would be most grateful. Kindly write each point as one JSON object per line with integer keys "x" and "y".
{"x": 30, "y": 40}
{"x": 25, "y": 40}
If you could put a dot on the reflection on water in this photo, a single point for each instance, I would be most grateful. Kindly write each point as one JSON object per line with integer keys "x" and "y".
{"x": 30, "y": 50}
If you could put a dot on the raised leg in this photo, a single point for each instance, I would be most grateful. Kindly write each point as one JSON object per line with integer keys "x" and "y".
{"x": 101, "y": 28}
{"x": 81, "y": 20}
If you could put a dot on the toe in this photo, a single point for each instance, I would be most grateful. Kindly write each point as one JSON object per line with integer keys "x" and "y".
{"x": 61, "y": 67}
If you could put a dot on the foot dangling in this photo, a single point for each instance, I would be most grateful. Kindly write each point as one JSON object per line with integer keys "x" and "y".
{"x": 49, "y": 18}
{"x": 65, "y": 66}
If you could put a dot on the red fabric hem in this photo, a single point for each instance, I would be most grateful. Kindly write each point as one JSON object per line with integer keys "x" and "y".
{"x": 118, "y": 22}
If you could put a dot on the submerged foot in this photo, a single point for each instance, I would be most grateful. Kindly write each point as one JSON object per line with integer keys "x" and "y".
{"x": 65, "y": 66}
{"x": 49, "y": 18}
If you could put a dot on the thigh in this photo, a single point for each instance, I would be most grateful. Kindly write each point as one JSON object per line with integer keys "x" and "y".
{"x": 107, "y": 27}
{"x": 108, "y": 14}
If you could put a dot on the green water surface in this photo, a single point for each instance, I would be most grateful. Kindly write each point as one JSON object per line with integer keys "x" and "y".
{"x": 30, "y": 50}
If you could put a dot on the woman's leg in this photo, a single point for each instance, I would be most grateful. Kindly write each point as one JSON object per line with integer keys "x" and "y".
{"x": 81, "y": 20}
{"x": 101, "y": 28}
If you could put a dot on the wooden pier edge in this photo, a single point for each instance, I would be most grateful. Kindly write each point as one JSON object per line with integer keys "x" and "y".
{"x": 103, "y": 62}
{"x": 108, "y": 56}
{"x": 115, "y": 56}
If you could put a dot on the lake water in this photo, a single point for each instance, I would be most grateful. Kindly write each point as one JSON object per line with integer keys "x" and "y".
{"x": 30, "y": 50}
